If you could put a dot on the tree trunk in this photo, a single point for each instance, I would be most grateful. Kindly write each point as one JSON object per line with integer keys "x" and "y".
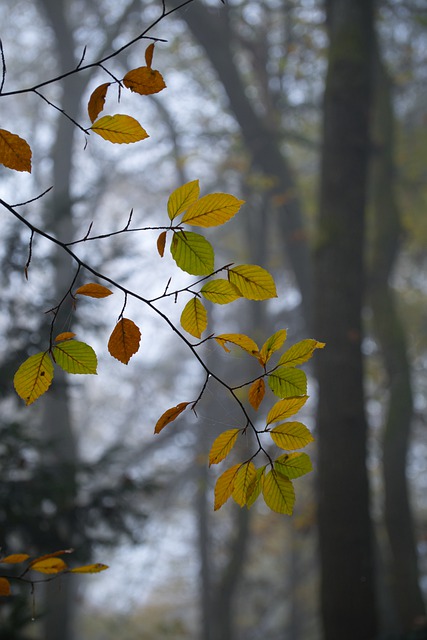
{"x": 345, "y": 540}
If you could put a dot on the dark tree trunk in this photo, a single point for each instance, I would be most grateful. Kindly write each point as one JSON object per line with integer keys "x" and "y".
{"x": 345, "y": 540}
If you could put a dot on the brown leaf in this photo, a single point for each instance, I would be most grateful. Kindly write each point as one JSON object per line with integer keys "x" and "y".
{"x": 161, "y": 242}
{"x": 124, "y": 340}
{"x": 170, "y": 415}
{"x": 15, "y": 152}
{"x": 93, "y": 290}
{"x": 97, "y": 101}
{"x": 256, "y": 393}
{"x": 149, "y": 54}
{"x": 144, "y": 81}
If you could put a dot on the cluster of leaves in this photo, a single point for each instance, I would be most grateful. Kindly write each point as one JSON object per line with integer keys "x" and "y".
{"x": 50, "y": 564}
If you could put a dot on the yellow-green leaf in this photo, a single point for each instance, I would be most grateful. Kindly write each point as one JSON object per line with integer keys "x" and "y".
{"x": 120, "y": 129}
{"x": 220, "y": 291}
{"x": 144, "y": 80}
{"x": 212, "y": 210}
{"x": 224, "y": 486}
{"x": 49, "y": 565}
{"x": 285, "y": 408}
{"x": 15, "y": 558}
{"x": 33, "y": 377}
{"x": 93, "y": 290}
{"x": 256, "y": 487}
{"x": 97, "y": 101}
{"x": 293, "y": 465}
{"x": 15, "y": 152}
{"x": 271, "y": 345}
{"x": 300, "y": 352}
{"x": 253, "y": 282}
{"x": 75, "y": 357}
{"x": 291, "y": 435}
{"x": 124, "y": 340}
{"x": 89, "y": 568}
{"x": 169, "y": 416}
{"x": 194, "y": 318}
{"x": 240, "y": 340}
{"x": 256, "y": 393}
{"x": 222, "y": 445}
{"x": 278, "y": 492}
{"x": 244, "y": 483}
{"x": 287, "y": 382}
{"x": 192, "y": 253}
{"x": 182, "y": 198}
{"x": 4, "y": 587}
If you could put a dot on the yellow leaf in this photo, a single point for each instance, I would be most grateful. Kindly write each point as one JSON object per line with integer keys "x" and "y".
{"x": 224, "y": 486}
{"x": 4, "y": 587}
{"x": 300, "y": 352}
{"x": 182, "y": 198}
{"x": 239, "y": 339}
{"x": 222, "y": 445}
{"x": 255, "y": 488}
{"x": 278, "y": 492}
{"x": 271, "y": 345}
{"x": 194, "y": 318}
{"x": 161, "y": 242}
{"x": 67, "y": 335}
{"x": 120, "y": 129}
{"x": 15, "y": 558}
{"x": 33, "y": 377}
{"x": 291, "y": 435}
{"x": 97, "y": 101}
{"x": 212, "y": 210}
{"x": 49, "y": 565}
{"x": 144, "y": 81}
{"x": 253, "y": 282}
{"x": 244, "y": 483}
{"x": 75, "y": 357}
{"x": 89, "y": 568}
{"x": 170, "y": 415}
{"x": 93, "y": 290}
{"x": 256, "y": 393}
{"x": 149, "y": 54}
{"x": 285, "y": 408}
{"x": 293, "y": 465}
{"x": 15, "y": 152}
{"x": 220, "y": 291}
{"x": 124, "y": 340}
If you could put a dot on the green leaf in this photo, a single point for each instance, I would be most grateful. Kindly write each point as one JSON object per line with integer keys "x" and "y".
{"x": 293, "y": 465}
{"x": 220, "y": 291}
{"x": 285, "y": 408}
{"x": 300, "y": 352}
{"x": 278, "y": 492}
{"x": 192, "y": 253}
{"x": 288, "y": 382}
{"x": 291, "y": 435}
{"x": 212, "y": 210}
{"x": 253, "y": 282}
{"x": 194, "y": 318}
{"x": 75, "y": 357}
{"x": 34, "y": 377}
{"x": 182, "y": 198}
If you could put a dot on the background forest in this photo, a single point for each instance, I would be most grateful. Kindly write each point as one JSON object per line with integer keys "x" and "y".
{"x": 315, "y": 114}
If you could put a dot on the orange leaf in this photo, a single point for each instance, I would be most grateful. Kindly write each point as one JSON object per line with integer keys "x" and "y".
{"x": 97, "y": 101}
{"x": 124, "y": 340}
{"x": 4, "y": 587}
{"x": 15, "y": 558}
{"x": 256, "y": 393}
{"x": 93, "y": 290}
{"x": 15, "y": 152}
{"x": 144, "y": 81}
{"x": 170, "y": 415}
{"x": 161, "y": 242}
{"x": 149, "y": 54}
{"x": 67, "y": 335}
{"x": 90, "y": 568}
{"x": 54, "y": 554}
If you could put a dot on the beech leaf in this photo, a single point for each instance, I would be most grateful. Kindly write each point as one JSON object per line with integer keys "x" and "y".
{"x": 93, "y": 290}
{"x": 120, "y": 129}
{"x": 194, "y": 318}
{"x": 75, "y": 357}
{"x": 15, "y": 152}
{"x": 33, "y": 377}
{"x": 124, "y": 340}
{"x": 144, "y": 81}
{"x": 222, "y": 445}
{"x": 97, "y": 101}
{"x": 170, "y": 415}
{"x": 253, "y": 282}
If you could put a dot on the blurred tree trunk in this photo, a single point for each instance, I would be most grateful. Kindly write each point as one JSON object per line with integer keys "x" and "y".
{"x": 345, "y": 537}
{"x": 387, "y": 234}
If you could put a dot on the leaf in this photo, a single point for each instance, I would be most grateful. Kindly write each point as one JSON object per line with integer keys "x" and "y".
{"x": 97, "y": 101}
{"x": 239, "y": 339}
{"x": 244, "y": 481}
{"x": 278, "y": 492}
{"x": 291, "y": 435}
{"x": 4, "y": 587}
{"x": 194, "y": 318}
{"x": 89, "y": 568}
{"x": 161, "y": 242}
{"x": 256, "y": 393}
{"x": 222, "y": 445}
{"x": 220, "y": 291}
{"x": 15, "y": 558}
{"x": 182, "y": 198}
{"x": 124, "y": 340}
{"x": 144, "y": 81}
{"x": 75, "y": 357}
{"x": 170, "y": 415}
{"x": 224, "y": 486}
{"x": 192, "y": 253}
{"x": 33, "y": 377}
{"x": 271, "y": 345}
{"x": 93, "y": 290}
{"x": 120, "y": 129}
{"x": 300, "y": 352}
{"x": 149, "y": 54}
{"x": 293, "y": 465}
{"x": 256, "y": 487}
{"x": 54, "y": 554}
{"x": 67, "y": 335}
{"x": 285, "y": 408}
{"x": 49, "y": 565}
{"x": 288, "y": 382}
{"x": 15, "y": 152}
{"x": 212, "y": 210}
{"x": 253, "y": 282}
